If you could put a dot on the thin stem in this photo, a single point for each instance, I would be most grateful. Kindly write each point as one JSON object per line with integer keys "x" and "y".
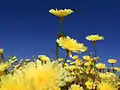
{"x": 57, "y": 50}
{"x": 90, "y": 54}
{"x": 61, "y": 20}
{"x": 60, "y": 33}
{"x": 2, "y": 58}
{"x": 95, "y": 48}
{"x": 67, "y": 55}
{"x": 112, "y": 65}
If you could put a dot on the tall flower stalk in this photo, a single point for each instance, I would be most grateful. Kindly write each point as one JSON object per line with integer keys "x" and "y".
{"x": 59, "y": 35}
{"x": 94, "y": 38}
{"x": 60, "y": 14}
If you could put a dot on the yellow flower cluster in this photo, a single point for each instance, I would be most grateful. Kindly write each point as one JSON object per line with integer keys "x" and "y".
{"x": 78, "y": 72}
{"x": 43, "y": 77}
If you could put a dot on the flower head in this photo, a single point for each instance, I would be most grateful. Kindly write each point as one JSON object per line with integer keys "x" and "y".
{"x": 87, "y": 63}
{"x": 60, "y": 13}
{"x": 60, "y": 59}
{"x": 72, "y": 67}
{"x": 43, "y": 58}
{"x": 4, "y": 66}
{"x": 90, "y": 85}
{"x": 1, "y": 51}
{"x": 112, "y": 61}
{"x": 70, "y": 44}
{"x": 68, "y": 61}
{"x": 101, "y": 66}
{"x": 94, "y": 37}
{"x": 86, "y": 57}
{"x": 75, "y": 57}
{"x": 44, "y": 75}
{"x": 73, "y": 63}
{"x": 117, "y": 69}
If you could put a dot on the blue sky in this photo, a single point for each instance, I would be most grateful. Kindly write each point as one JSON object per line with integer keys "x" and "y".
{"x": 27, "y": 28}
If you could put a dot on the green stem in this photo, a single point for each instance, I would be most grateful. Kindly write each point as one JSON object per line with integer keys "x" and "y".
{"x": 95, "y": 49}
{"x": 33, "y": 58}
{"x": 61, "y": 20}
{"x": 112, "y": 65}
{"x": 60, "y": 33}
{"x": 112, "y": 68}
{"x": 67, "y": 55}
{"x": 2, "y": 58}
{"x": 57, "y": 50}
{"x": 90, "y": 54}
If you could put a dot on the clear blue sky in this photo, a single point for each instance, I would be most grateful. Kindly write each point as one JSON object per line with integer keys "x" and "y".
{"x": 27, "y": 28}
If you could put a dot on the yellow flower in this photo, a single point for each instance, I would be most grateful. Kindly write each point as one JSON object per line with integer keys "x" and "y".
{"x": 75, "y": 87}
{"x": 27, "y": 60}
{"x": 75, "y": 57}
{"x": 111, "y": 76}
{"x": 112, "y": 61}
{"x": 78, "y": 60}
{"x": 72, "y": 67}
{"x": 106, "y": 86}
{"x": 43, "y": 57}
{"x": 108, "y": 77}
{"x": 68, "y": 61}
{"x": 117, "y": 69}
{"x": 94, "y": 37}
{"x": 12, "y": 61}
{"x": 60, "y": 59}
{"x": 66, "y": 64}
{"x": 86, "y": 57}
{"x": 13, "y": 82}
{"x": 88, "y": 63}
{"x": 60, "y": 13}
{"x": 1, "y": 51}
{"x": 72, "y": 63}
{"x": 70, "y": 44}
{"x": 102, "y": 75}
{"x": 4, "y": 66}
{"x": 15, "y": 57}
{"x": 89, "y": 70}
{"x": 21, "y": 61}
{"x": 90, "y": 85}
{"x": 101, "y": 66}
{"x": 45, "y": 75}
